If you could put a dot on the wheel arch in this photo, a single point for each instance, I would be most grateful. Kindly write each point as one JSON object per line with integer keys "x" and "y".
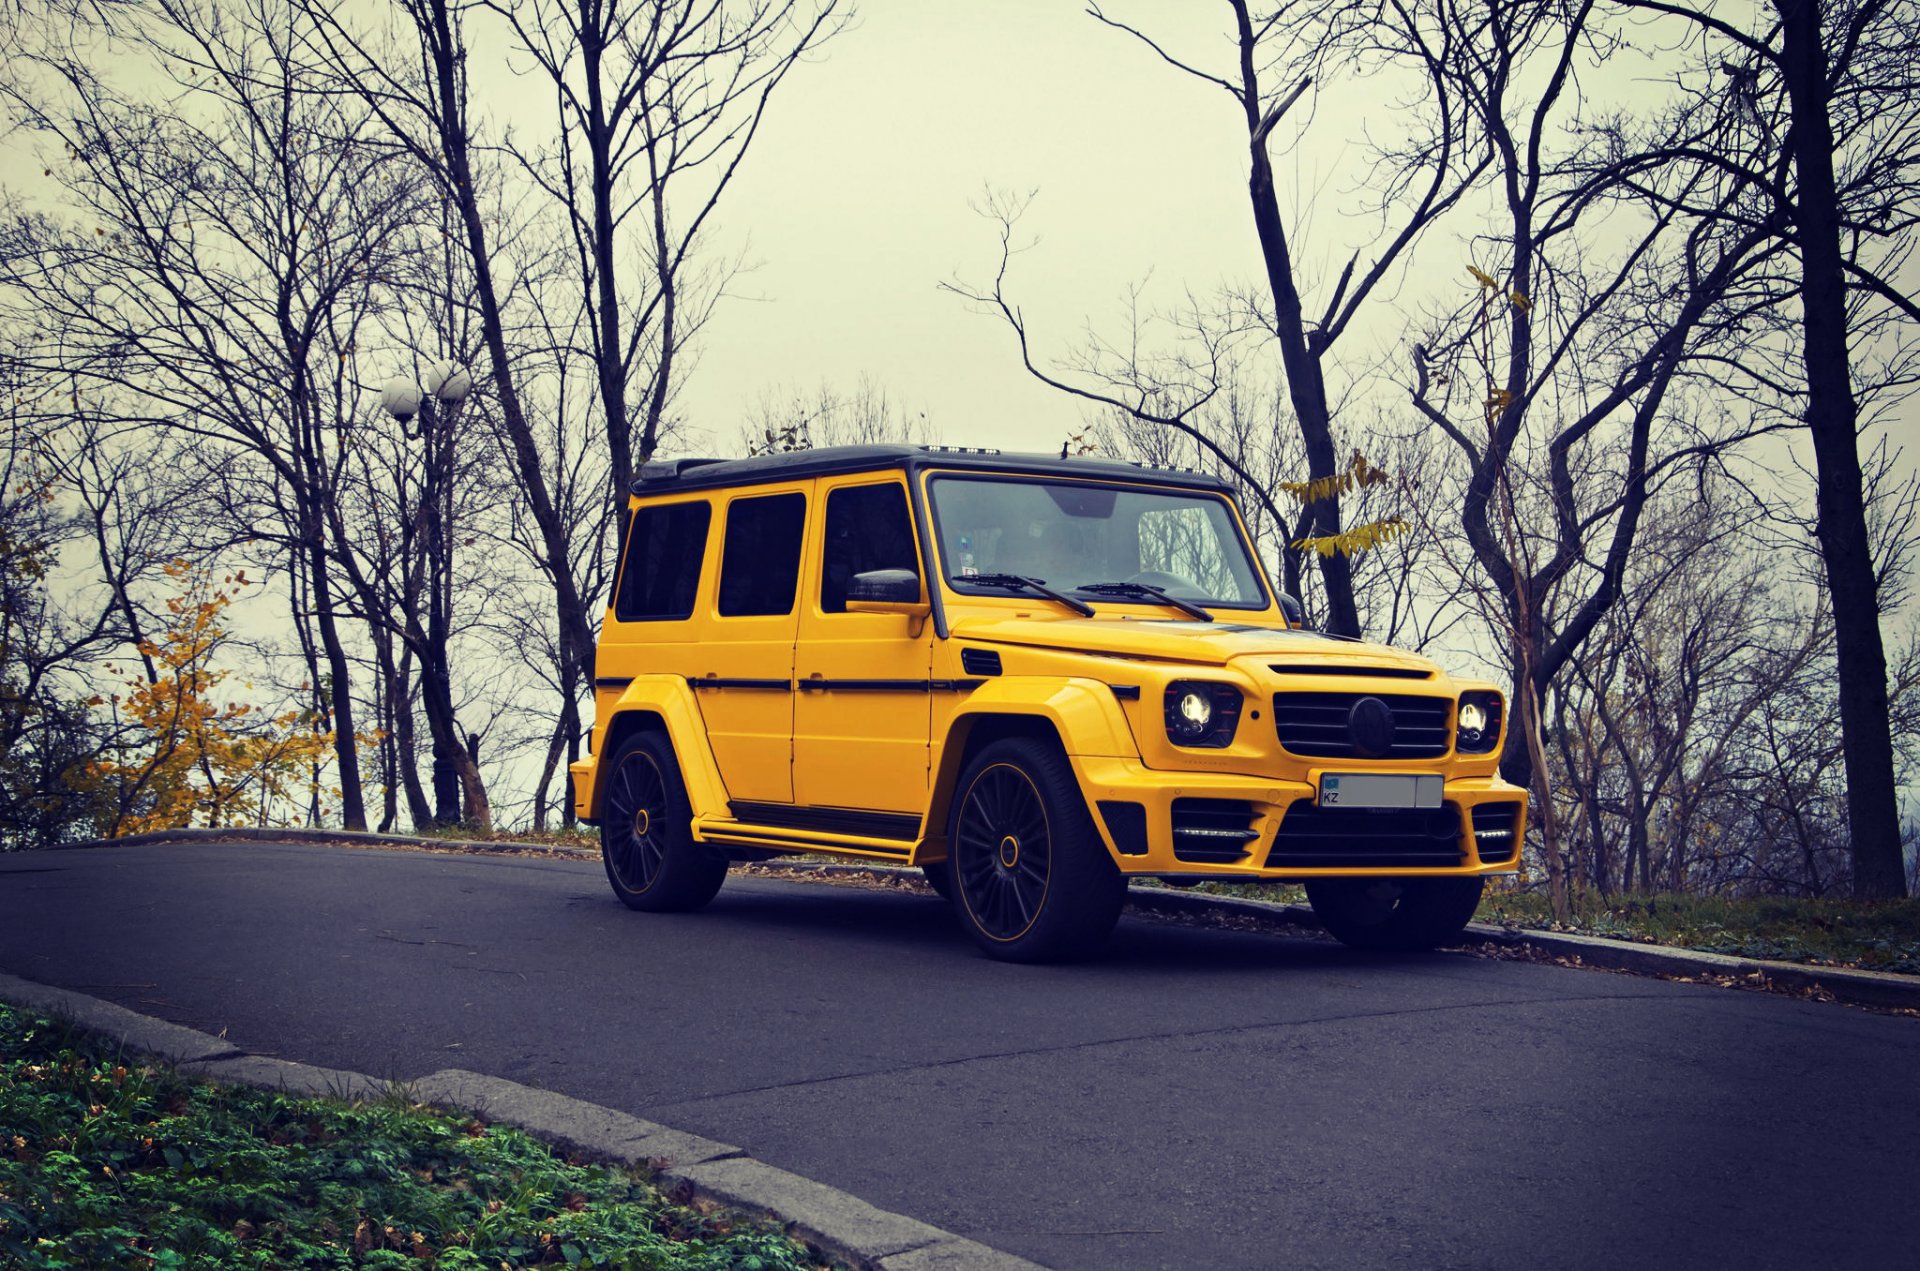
{"x": 1072, "y": 717}
{"x": 665, "y": 704}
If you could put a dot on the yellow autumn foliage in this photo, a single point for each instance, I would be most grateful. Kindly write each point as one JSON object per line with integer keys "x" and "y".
{"x": 1358, "y": 474}
{"x": 199, "y": 760}
{"x": 1351, "y": 542}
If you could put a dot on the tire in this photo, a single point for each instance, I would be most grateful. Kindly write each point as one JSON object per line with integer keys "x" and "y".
{"x": 939, "y": 877}
{"x": 1397, "y": 915}
{"x": 646, "y": 834}
{"x": 1032, "y": 881}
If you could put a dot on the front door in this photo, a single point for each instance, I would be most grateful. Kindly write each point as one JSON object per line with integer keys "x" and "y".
{"x": 860, "y": 716}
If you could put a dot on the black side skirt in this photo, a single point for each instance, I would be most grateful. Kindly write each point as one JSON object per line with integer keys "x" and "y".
{"x": 854, "y": 821}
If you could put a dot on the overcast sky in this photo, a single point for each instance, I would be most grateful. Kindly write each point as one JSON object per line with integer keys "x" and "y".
{"x": 855, "y": 204}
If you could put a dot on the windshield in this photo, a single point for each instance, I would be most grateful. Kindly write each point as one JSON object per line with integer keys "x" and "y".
{"x": 1072, "y": 534}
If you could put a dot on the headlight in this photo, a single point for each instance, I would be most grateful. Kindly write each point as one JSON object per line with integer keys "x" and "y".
{"x": 1477, "y": 723}
{"x": 1202, "y": 714}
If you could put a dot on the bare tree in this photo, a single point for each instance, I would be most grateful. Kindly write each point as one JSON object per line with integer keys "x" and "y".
{"x": 1811, "y": 125}
{"x": 864, "y": 415}
{"x": 658, "y": 103}
{"x": 1441, "y": 160}
{"x": 242, "y": 232}
{"x": 416, "y": 84}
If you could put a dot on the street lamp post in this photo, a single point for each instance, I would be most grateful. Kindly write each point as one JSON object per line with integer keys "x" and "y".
{"x": 435, "y": 402}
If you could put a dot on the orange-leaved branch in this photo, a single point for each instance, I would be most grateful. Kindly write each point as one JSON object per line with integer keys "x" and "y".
{"x": 197, "y": 756}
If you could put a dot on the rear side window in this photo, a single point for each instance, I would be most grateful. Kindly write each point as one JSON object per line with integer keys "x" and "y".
{"x": 868, "y": 527}
{"x": 760, "y": 556}
{"x": 662, "y": 570}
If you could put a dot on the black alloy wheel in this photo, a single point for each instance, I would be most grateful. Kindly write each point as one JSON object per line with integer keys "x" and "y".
{"x": 1031, "y": 878}
{"x": 1395, "y": 915}
{"x": 646, "y": 837}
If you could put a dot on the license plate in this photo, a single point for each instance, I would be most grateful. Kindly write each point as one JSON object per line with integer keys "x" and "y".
{"x": 1381, "y": 790}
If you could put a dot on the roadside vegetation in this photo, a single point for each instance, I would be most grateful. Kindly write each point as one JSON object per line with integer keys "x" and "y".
{"x": 106, "y": 1161}
{"x": 1877, "y": 936}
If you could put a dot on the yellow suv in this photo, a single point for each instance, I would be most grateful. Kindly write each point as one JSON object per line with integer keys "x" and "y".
{"x": 1033, "y": 678}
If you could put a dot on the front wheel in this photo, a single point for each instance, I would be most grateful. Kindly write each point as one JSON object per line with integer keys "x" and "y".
{"x": 1401, "y": 915}
{"x": 646, "y": 832}
{"x": 1031, "y": 879}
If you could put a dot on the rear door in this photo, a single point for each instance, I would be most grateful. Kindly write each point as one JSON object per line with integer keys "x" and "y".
{"x": 743, "y": 671}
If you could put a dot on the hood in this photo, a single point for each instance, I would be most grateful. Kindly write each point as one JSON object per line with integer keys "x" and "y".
{"x": 1208, "y": 643}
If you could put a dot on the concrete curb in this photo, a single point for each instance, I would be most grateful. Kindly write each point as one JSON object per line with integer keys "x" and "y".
{"x": 1844, "y": 984}
{"x": 686, "y": 1165}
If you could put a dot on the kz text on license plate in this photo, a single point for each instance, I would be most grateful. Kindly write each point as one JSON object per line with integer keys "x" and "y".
{"x": 1381, "y": 790}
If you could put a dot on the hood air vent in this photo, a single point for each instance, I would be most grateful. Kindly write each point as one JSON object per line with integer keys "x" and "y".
{"x": 1371, "y": 672}
{"x": 980, "y": 661}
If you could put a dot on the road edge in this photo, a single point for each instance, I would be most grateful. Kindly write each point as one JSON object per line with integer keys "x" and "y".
{"x": 1883, "y": 990}
{"x": 686, "y": 1166}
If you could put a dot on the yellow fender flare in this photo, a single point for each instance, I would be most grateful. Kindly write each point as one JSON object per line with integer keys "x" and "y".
{"x": 670, "y": 702}
{"x": 1083, "y": 712}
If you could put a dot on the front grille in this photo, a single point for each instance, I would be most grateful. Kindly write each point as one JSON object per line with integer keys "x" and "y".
{"x": 1313, "y": 837}
{"x": 1316, "y": 724}
{"x": 1212, "y": 831}
{"x": 1493, "y": 825}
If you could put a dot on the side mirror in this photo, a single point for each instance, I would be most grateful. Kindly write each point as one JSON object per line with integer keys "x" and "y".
{"x": 1295, "y": 611}
{"x": 889, "y": 591}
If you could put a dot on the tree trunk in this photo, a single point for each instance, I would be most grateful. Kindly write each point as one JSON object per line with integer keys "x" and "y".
{"x": 448, "y": 58}
{"x": 408, "y": 747}
{"x": 561, "y": 750}
{"x": 454, "y": 773}
{"x": 1306, "y": 389}
{"x": 1873, "y": 819}
{"x": 346, "y": 746}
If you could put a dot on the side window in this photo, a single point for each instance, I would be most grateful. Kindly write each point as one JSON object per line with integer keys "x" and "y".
{"x": 662, "y": 570}
{"x": 760, "y": 556}
{"x": 868, "y": 527}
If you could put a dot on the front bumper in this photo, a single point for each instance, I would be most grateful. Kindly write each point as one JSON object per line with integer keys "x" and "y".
{"x": 1224, "y": 826}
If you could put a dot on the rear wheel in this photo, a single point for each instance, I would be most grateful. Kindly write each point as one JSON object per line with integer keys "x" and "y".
{"x": 1394, "y": 914}
{"x": 646, "y": 834}
{"x": 1031, "y": 879}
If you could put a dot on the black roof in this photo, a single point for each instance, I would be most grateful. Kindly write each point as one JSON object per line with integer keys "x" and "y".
{"x": 670, "y": 475}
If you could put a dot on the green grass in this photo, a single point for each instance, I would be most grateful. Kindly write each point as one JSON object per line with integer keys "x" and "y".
{"x": 107, "y": 1162}
{"x": 1882, "y": 936}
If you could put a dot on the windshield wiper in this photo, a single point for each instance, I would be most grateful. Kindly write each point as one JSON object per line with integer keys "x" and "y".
{"x": 1036, "y": 585}
{"x": 1143, "y": 591}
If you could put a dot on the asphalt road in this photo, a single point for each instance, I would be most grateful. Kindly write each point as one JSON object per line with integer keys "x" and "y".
{"x": 1194, "y": 1098}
